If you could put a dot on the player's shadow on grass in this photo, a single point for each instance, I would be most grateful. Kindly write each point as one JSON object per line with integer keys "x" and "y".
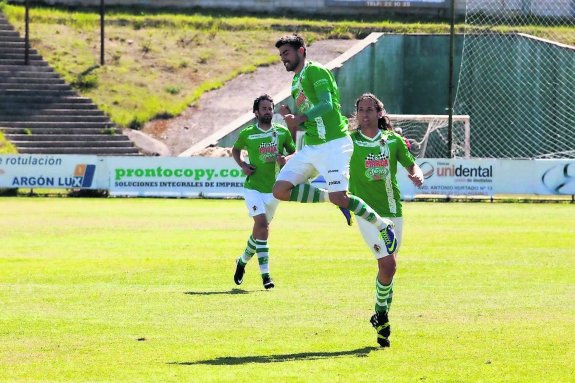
{"x": 232, "y": 361}
{"x": 228, "y": 292}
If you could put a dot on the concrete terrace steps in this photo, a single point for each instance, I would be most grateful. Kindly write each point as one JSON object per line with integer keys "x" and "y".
{"x": 37, "y": 92}
{"x": 55, "y": 118}
{"x": 10, "y": 107}
{"x": 74, "y": 144}
{"x": 23, "y": 86}
{"x": 19, "y": 56}
{"x": 6, "y": 81}
{"x": 64, "y": 137}
{"x": 59, "y": 124}
{"x": 41, "y": 114}
{"x": 25, "y": 68}
{"x": 34, "y": 76}
{"x": 51, "y": 112}
{"x": 44, "y": 100}
{"x": 20, "y": 50}
{"x": 57, "y": 131}
{"x": 109, "y": 151}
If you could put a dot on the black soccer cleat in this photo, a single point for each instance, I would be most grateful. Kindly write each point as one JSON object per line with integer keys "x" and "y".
{"x": 240, "y": 271}
{"x": 268, "y": 282}
{"x": 347, "y": 214}
{"x": 380, "y": 322}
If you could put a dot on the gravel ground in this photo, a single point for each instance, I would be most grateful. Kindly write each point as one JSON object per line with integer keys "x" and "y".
{"x": 217, "y": 108}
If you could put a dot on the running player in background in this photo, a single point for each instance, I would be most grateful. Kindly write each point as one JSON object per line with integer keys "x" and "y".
{"x": 266, "y": 144}
{"x": 373, "y": 167}
{"x": 328, "y": 147}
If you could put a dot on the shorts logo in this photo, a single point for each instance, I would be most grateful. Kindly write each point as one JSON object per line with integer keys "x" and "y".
{"x": 377, "y": 248}
{"x": 254, "y": 208}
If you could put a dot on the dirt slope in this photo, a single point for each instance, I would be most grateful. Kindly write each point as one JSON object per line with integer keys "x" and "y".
{"x": 219, "y": 107}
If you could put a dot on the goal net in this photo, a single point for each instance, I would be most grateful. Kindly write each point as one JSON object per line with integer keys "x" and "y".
{"x": 428, "y": 135}
{"x": 517, "y": 78}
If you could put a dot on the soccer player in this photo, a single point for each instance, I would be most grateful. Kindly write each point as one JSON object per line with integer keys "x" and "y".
{"x": 377, "y": 151}
{"x": 266, "y": 145}
{"x": 328, "y": 147}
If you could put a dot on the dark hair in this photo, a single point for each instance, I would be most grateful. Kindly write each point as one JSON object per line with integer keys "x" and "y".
{"x": 294, "y": 41}
{"x": 259, "y": 99}
{"x": 383, "y": 122}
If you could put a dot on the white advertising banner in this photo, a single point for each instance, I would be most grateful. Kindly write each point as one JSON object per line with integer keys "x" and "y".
{"x": 175, "y": 177}
{"x": 468, "y": 177}
{"x": 53, "y": 171}
{"x": 221, "y": 177}
{"x": 452, "y": 177}
{"x": 552, "y": 177}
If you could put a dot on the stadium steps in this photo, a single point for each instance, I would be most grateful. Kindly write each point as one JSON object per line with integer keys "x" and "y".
{"x": 41, "y": 114}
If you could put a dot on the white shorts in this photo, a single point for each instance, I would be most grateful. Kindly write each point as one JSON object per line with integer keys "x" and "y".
{"x": 330, "y": 160}
{"x": 370, "y": 235}
{"x": 260, "y": 203}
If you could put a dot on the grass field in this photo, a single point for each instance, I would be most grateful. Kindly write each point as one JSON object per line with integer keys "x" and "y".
{"x": 141, "y": 290}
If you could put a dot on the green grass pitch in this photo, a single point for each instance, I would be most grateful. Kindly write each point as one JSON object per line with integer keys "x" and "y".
{"x": 141, "y": 290}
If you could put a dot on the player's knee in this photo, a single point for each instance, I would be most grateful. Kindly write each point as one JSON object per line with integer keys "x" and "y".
{"x": 281, "y": 191}
{"x": 339, "y": 198}
{"x": 387, "y": 268}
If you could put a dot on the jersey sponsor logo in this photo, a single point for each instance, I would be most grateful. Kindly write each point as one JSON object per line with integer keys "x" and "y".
{"x": 376, "y": 166}
{"x": 268, "y": 151}
{"x": 333, "y": 171}
{"x": 302, "y": 103}
{"x": 334, "y": 183}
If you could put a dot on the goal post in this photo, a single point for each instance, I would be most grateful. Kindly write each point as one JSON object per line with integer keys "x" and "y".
{"x": 428, "y": 134}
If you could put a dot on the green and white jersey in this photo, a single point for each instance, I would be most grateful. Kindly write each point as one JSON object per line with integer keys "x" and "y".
{"x": 263, "y": 147}
{"x": 306, "y": 85}
{"x": 373, "y": 169}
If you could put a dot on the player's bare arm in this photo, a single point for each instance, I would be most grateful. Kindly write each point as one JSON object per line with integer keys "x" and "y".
{"x": 247, "y": 169}
{"x": 415, "y": 174}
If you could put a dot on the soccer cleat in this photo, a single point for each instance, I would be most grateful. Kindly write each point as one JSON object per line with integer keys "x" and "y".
{"x": 347, "y": 214}
{"x": 380, "y": 322}
{"x": 240, "y": 271}
{"x": 387, "y": 235}
{"x": 268, "y": 282}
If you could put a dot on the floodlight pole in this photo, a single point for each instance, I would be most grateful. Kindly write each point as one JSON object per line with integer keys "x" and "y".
{"x": 27, "y": 34}
{"x": 451, "y": 85}
{"x": 102, "y": 12}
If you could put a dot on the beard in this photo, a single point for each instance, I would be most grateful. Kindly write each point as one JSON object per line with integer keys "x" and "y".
{"x": 265, "y": 119}
{"x": 290, "y": 66}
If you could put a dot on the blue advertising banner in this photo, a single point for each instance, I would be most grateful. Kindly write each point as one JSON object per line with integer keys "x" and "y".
{"x": 53, "y": 171}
